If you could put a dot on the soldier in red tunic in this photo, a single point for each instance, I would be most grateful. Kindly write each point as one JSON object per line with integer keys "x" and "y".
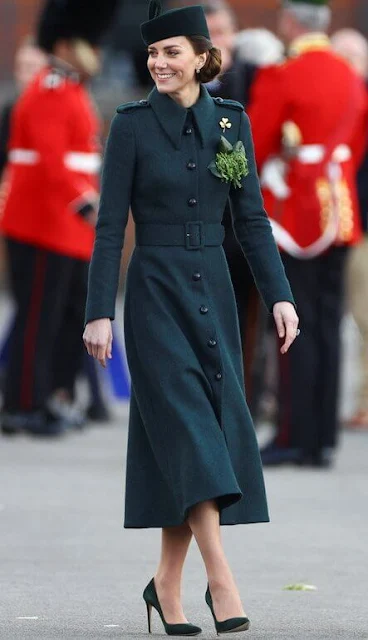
{"x": 48, "y": 218}
{"x": 306, "y": 117}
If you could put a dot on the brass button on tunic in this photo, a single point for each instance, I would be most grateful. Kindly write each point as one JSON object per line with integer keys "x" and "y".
{"x": 191, "y": 437}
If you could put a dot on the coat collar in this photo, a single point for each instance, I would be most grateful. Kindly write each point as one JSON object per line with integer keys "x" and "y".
{"x": 172, "y": 116}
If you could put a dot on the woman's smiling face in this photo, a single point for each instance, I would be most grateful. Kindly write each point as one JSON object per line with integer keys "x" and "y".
{"x": 172, "y": 64}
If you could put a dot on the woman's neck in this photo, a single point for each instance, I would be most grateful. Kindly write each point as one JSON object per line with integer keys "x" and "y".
{"x": 188, "y": 96}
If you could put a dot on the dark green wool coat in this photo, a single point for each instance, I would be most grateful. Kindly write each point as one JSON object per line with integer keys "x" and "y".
{"x": 191, "y": 436}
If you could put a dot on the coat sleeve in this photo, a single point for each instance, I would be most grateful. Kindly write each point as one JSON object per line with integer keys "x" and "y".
{"x": 253, "y": 230}
{"x": 117, "y": 181}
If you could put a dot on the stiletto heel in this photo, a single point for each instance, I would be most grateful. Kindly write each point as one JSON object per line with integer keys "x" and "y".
{"x": 151, "y": 600}
{"x": 232, "y": 625}
{"x": 149, "y": 614}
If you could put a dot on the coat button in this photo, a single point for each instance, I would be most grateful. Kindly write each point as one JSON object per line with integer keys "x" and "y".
{"x": 203, "y": 310}
{"x": 218, "y": 376}
{"x": 191, "y": 165}
{"x": 212, "y": 343}
{"x": 192, "y": 202}
{"x": 219, "y": 100}
{"x": 196, "y": 276}
{"x": 188, "y": 131}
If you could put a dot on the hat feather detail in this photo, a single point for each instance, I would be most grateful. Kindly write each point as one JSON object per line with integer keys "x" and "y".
{"x": 154, "y": 9}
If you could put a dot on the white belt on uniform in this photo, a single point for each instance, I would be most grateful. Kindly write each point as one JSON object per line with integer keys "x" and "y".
{"x": 273, "y": 177}
{"x": 313, "y": 153}
{"x": 81, "y": 161}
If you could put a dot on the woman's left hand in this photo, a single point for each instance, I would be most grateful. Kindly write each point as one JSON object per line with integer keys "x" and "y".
{"x": 286, "y": 321}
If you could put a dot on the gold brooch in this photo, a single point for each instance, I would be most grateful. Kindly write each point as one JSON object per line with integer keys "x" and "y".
{"x": 225, "y": 124}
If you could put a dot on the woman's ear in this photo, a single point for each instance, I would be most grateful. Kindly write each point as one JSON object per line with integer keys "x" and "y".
{"x": 202, "y": 59}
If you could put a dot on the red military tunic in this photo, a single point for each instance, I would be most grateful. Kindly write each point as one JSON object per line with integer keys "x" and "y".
{"x": 307, "y": 116}
{"x": 54, "y": 162}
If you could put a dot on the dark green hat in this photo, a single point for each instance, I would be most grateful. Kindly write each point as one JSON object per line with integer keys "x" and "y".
{"x": 188, "y": 21}
{"x": 316, "y": 3}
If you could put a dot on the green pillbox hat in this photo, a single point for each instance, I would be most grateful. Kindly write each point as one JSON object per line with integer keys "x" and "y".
{"x": 188, "y": 21}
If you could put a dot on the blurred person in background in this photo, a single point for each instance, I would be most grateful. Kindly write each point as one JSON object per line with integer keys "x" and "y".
{"x": 259, "y": 47}
{"x": 124, "y": 41}
{"x": 29, "y": 60}
{"x": 234, "y": 82}
{"x": 353, "y": 46}
{"x": 49, "y": 215}
{"x": 236, "y": 75}
{"x": 306, "y": 115}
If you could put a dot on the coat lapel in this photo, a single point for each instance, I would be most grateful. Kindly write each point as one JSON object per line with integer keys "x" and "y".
{"x": 204, "y": 115}
{"x": 170, "y": 115}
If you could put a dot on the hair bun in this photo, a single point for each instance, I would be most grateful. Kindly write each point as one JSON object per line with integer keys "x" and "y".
{"x": 154, "y": 9}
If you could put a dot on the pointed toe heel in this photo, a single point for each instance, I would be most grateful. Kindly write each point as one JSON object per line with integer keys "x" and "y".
{"x": 232, "y": 625}
{"x": 151, "y": 600}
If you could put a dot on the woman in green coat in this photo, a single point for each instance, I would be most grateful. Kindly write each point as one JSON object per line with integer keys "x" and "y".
{"x": 193, "y": 462}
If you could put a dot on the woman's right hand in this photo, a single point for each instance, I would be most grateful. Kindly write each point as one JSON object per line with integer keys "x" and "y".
{"x": 97, "y": 338}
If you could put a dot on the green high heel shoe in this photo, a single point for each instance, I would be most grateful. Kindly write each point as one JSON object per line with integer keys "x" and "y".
{"x": 232, "y": 625}
{"x": 151, "y": 600}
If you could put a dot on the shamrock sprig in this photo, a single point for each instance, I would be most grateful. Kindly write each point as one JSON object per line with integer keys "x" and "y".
{"x": 230, "y": 164}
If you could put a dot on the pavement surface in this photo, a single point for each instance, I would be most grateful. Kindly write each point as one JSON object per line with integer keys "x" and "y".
{"x": 69, "y": 570}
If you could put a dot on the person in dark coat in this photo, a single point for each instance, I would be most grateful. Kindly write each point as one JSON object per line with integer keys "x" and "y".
{"x": 193, "y": 461}
{"x": 234, "y": 82}
{"x": 242, "y": 53}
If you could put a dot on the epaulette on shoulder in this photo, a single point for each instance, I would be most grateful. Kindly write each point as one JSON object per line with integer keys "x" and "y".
{"x": 232, "y": 104}
{"x": 128, "y": 106}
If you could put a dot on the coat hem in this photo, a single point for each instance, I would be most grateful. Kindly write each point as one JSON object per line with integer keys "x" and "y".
{"x": 224, "y": 501}
{"x": 177, "y": 524}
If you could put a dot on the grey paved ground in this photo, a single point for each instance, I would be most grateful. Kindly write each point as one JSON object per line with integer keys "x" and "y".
{"x": 66, "y": 561}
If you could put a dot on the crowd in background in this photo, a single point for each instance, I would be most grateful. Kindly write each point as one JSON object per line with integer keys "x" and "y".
{"x": 247, "y": 55}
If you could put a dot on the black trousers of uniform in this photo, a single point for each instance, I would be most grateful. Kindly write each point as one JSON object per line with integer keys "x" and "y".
{"x": 46, "y": 348}
{"x": 310, "y": 371}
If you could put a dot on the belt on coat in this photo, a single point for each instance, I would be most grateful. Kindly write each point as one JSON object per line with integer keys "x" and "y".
{"x": 191, "y": 235}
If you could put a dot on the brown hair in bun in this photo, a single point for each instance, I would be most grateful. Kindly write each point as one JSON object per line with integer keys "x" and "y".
{"x": 212, "y": 66}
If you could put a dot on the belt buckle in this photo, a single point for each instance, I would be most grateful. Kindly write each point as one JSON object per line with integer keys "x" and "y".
{"x": 194, "y": 236}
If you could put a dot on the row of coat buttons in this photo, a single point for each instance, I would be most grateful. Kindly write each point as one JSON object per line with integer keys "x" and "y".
{"x": 203, "y": 310}
{"x": 191, "y": 165}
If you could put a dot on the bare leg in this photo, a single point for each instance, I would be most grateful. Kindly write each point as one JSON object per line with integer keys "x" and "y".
{"x": 174, "y": 548}
{"x": 204, "y": 521}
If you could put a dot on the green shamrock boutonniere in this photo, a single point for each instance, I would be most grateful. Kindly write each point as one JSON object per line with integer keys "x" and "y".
{"x": 230, "y": 164}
